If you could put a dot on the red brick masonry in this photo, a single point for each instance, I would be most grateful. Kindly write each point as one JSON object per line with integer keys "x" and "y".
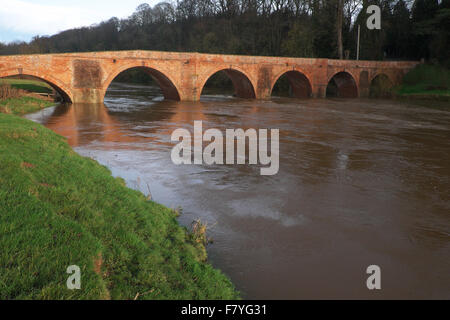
{"x": 85, "y": 77}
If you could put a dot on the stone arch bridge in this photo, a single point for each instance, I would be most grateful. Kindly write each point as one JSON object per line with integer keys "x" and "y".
{"x": 85, "y": 77}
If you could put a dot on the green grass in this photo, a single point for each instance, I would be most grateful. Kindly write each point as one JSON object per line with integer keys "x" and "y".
{"x": 426, "y": 81}
{"x": 421, "y": 88}
{"x": 23, "y": 105}
{"x": 59, "y": 209}
{"x": 28, "y": 85}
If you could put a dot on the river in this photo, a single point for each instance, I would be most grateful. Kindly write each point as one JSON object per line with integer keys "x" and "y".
{"x": 361, "y": 182}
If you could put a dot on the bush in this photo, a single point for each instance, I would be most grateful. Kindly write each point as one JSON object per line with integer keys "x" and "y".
{"x": 432, "y": 76}
{"x": 6, "y": 91}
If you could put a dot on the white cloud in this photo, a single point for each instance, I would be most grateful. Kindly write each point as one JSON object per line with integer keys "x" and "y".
{"x": 46, "y": 17}
{"x": 24, "y": 17}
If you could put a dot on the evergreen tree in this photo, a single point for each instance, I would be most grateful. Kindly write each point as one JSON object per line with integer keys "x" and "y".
{"x": 423, "y": 13}
{"x": 398, "y": 42}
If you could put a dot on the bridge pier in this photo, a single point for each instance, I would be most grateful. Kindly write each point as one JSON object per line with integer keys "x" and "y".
{"x": 263, "y": 93}
{"x": 319, "y": 91}
{"x": 87, "y": 95}
{"x": 364, "y": 84}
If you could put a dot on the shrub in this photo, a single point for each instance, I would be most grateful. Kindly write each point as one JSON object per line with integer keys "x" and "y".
{"x": 6, "y": 91}
{"x": 432, "y": 76}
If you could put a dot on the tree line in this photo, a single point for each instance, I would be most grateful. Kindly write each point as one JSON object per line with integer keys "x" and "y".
{"x": 410, "y": 29}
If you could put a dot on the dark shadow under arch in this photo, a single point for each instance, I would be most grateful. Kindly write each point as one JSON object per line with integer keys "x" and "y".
{"x": 299, "y": 85}
{"x": 342, "y": 85}
{"x": 61, "y": 94}
{"x": 242, "y": 85}
{"x": 380, "y": 86}
{"x": 168, "y": 89}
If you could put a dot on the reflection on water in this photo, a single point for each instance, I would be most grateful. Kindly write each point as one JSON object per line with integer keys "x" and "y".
{"x": 360, "y": 182}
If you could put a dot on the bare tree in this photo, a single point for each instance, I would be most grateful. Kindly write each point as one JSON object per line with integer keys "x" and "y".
{"x": 339, "y": 22}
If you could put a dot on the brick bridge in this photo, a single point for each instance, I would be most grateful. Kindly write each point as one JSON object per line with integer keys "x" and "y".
{"x": 85, "y": 77}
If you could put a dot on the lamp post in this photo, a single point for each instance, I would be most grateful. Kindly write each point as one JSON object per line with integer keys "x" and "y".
{"x": 357, "y": 49}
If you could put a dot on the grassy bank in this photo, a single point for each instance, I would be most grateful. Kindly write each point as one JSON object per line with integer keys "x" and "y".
{"x": 28, "y": 85}
{"x": 20, "y": 96}
{"x": 426, "y": 82}
{"x": 60, "y": 209}
{"x": 22, "y": 105}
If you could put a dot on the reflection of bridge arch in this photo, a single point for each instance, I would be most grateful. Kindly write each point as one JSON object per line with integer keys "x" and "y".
{"x": 57, "y": 85}
{"x": 167, "y": 85}
{"x": 342, "y": 84}
{"x": 242, "y": 82}
{"x": 83, "y": 123}
{"x": 70, "y": 118}
{"x": 300, "y": 82}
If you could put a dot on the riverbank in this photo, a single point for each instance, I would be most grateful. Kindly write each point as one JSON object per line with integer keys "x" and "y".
{"x": 60, "y": 209}
{"x": 27, "y": 85}
{"x": 24, "y": 104}
{"x": 21, "y": 96}
{"x": 425, "y": 82}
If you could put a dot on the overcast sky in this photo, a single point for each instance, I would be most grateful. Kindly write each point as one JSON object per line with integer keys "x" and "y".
{"x": 23, "y": 19}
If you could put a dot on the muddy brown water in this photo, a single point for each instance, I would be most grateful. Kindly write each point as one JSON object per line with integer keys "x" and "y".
{"x": 361, "y": 182}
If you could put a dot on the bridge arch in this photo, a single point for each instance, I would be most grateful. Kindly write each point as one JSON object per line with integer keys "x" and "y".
{"x": 56, "y": 84}
{"x": 299, "y": 81}
{"x": 380, "y": 85}
{"x": 165, "y": 82}
{"x": 242, "y": 83}
{"x": 342, "y": 85}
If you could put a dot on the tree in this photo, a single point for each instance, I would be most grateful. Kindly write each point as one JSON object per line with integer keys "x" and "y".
{"x": 423, "y": 12}
{"x": 299, "y": 42}
{"x": 339, "y": 21}
{"x": 302, "y": 28}
{"x": 399, "y": 37}
{"x": 440, "y": 44}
